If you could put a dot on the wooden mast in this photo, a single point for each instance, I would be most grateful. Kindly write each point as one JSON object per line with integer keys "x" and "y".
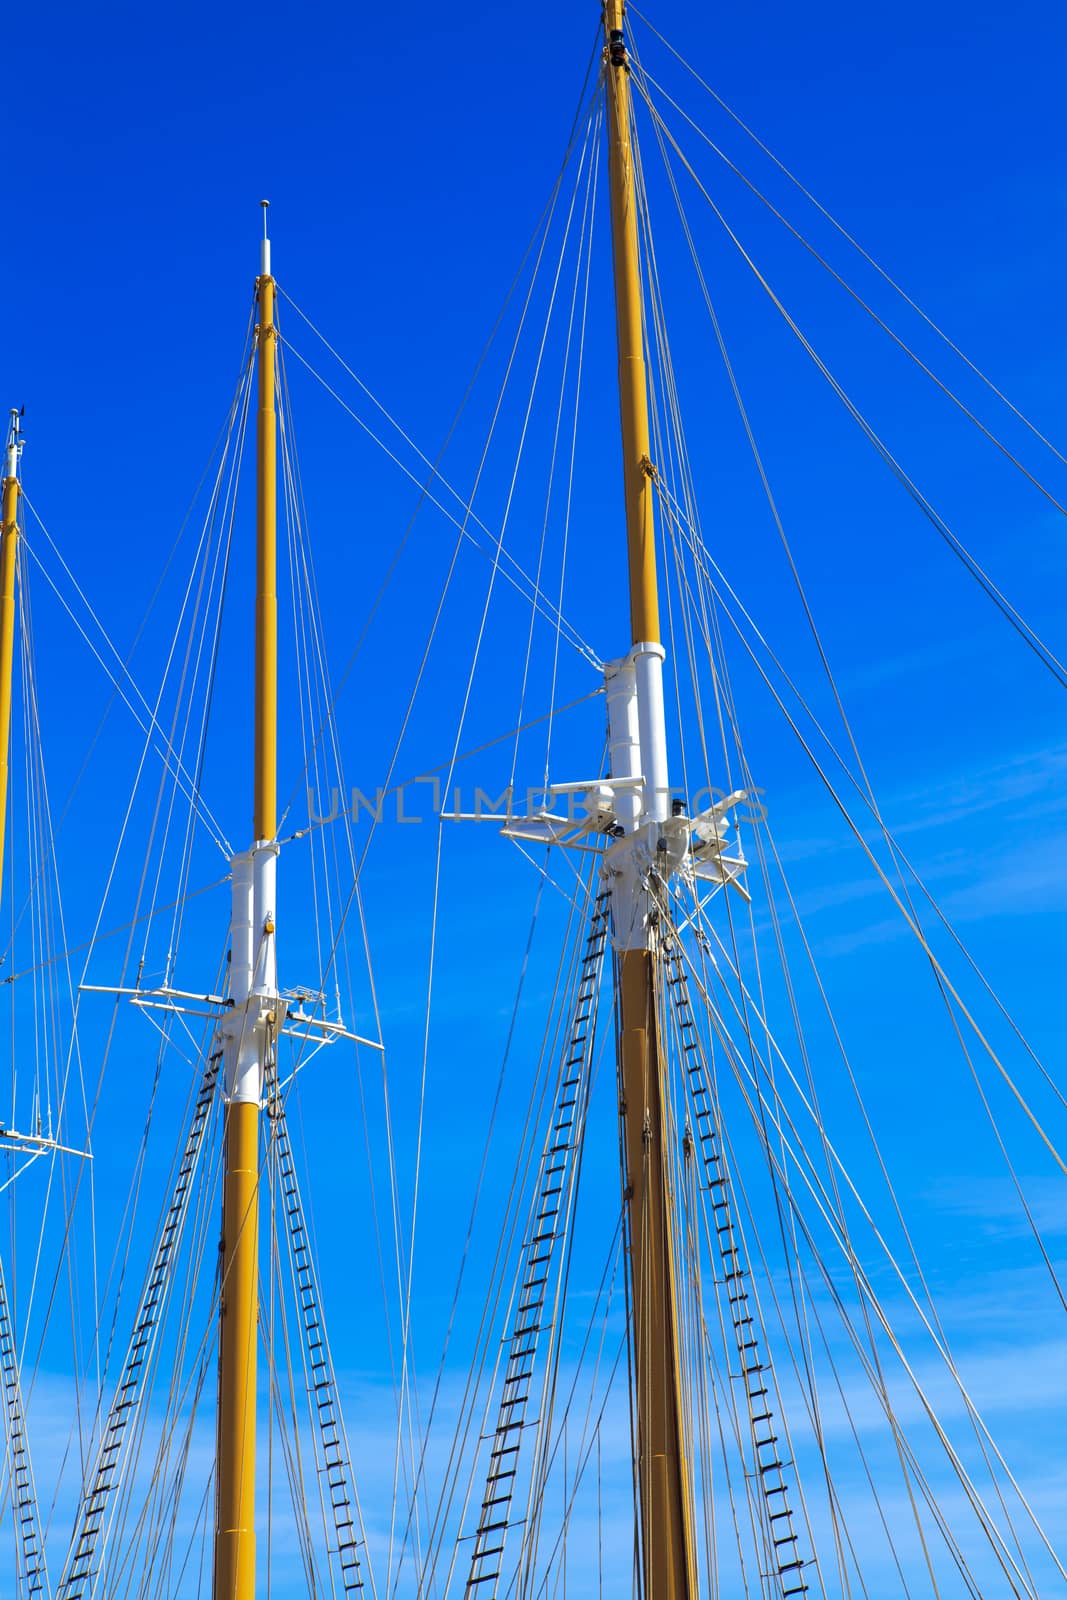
{"x": 663, "y": 1474}
{"x": 9, "y": 542}
{"x": 251, "y": 983}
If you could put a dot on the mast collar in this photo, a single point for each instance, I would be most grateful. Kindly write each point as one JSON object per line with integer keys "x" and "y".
{"x": 264, "y": 244}
{"x": 15, "y": 441}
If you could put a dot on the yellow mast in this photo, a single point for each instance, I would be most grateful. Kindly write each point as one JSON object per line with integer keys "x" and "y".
{"x": 9, "y": 544}
{"x": 235, "y": 1537}
{"x": 663, "y": 1473}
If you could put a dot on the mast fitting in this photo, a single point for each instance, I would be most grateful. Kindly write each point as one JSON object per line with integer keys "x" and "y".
{"x": 15, "y": 441}
{"x": 652, "y": 839}
{"x": 264, "y": 245}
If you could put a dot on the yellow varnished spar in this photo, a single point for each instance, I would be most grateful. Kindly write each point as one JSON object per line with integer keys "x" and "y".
{"x": 9, "y": 544}
{"x": 665, "y": 1500}
{"x": 633, "y": 391}
{"x": 235, "y": 1536}
{"x": 266, "y": 750}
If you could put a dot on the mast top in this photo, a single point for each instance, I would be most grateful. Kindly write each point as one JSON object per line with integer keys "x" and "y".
{"x": 13, "y": 452}
{"x": 264, "y": 245}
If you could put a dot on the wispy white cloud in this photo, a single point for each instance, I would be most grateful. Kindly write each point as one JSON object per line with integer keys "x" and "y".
{"x": 990, "y": 841}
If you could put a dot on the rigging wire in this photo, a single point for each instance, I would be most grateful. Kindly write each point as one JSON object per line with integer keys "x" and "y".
{"x": 582, "y": 114}
{"x": 707, "y": 565}
{"x": 584, "y": 249}
{"x": 747, "y": 1028}
{"x": 780, "y": 1118}
{"x": 312, "y": 666}
{"x": 151, "y": 726}
{"x": 647, "y": 80}
{"x": 850, "y": 240}
{"x": 217, "y": 453}
{"x": 873, "y": 805}
{"x": 1010, "y": 614}
{"x": 910, "y": 921}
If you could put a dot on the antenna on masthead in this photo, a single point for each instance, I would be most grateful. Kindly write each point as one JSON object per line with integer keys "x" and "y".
{"x": 264, "y": 248}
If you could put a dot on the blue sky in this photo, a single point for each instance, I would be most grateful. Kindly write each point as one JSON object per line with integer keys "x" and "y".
{"x": 407, "y": 158}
